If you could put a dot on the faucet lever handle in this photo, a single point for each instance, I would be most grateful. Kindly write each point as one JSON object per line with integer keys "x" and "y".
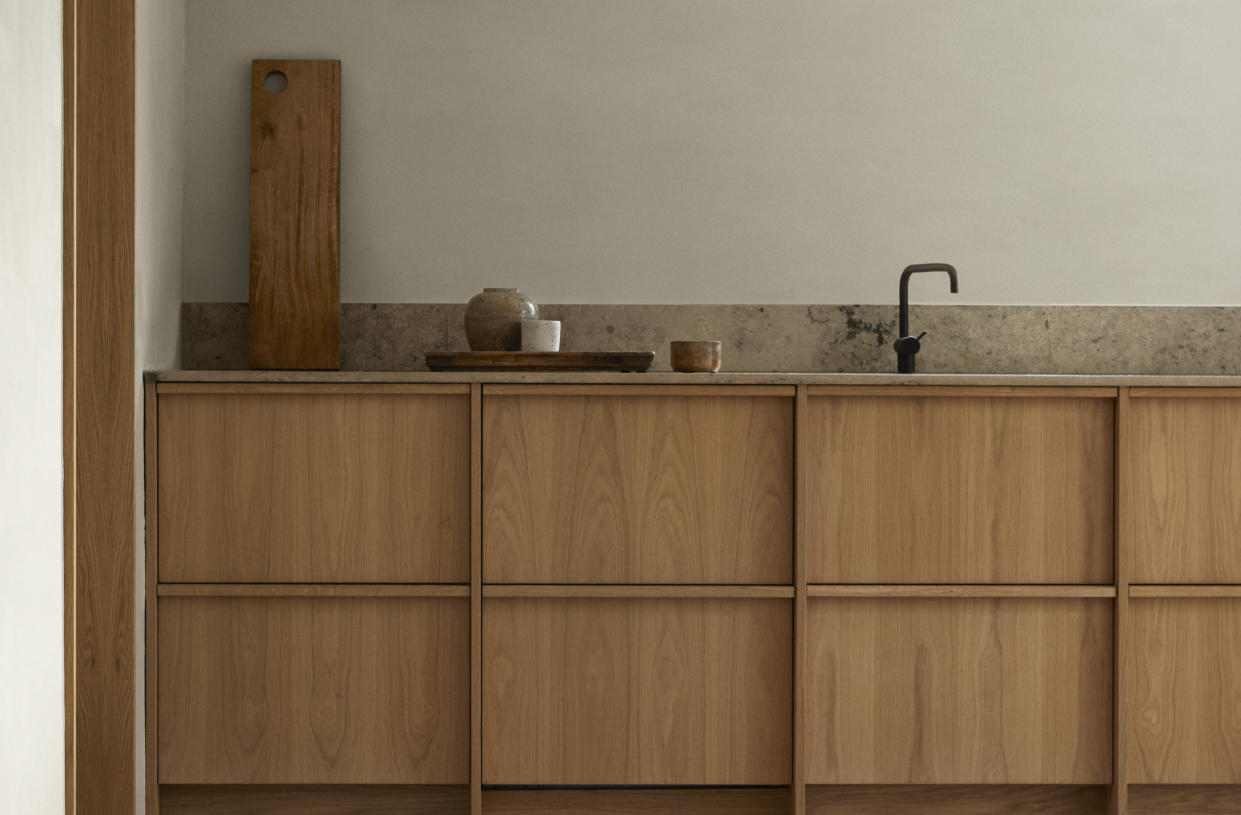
{"x": 920, "y": 336}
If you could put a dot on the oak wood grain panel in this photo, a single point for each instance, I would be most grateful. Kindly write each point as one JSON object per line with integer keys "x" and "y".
{"x": 1118, "y": 795}
{"x": 1197, "y": 590}
{"x": 1178, "y": 799}
{"x": 637, "y": 489}
{"x": 637, "y": 591}
{"x": 1207, "y": 392}
{"x": 310, "y": 488}
{"x": 69, "y": 364}
{"x": 99, "y": 392}
{"x": 306, "y": 691}
{"x": 1185, "y": 689}
{"x": 958, "y": 391}
{"x": 1186, "y": 508}
{"x": 959, "y": 691}
{"x": 960, "y": 490}
{"x": 797, "y": 793}
{"x": 318, "y": 388}
{"x": 310, "y": 590}
{"x": 313, "y": 799}
{"x": 619, "y": 389}
{"x": 639, "y": 801}
{"x": 958, "y": 590}
{"x": 476, "y": 600}
{"x": 295, "y": 215}
{"x": 949, "y": 799}
{"x": 150, "y": 438}
{"x": 623, "y": 692}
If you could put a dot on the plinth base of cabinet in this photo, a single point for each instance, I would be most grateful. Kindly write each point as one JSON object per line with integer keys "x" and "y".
{"x": 954, "y": 799}
{"x": 1175, "y": 799}
{"x": 312, "y": 799}
{"x": 672, "y": 801}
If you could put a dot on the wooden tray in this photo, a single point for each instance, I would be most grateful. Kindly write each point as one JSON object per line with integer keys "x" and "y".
{"x": 636, "y": 361}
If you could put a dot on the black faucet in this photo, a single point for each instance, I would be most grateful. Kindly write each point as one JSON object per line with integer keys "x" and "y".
{"x": 907, "y": 347}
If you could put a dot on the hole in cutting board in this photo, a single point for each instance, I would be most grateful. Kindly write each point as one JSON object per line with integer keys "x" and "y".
{"x": 275, "y": 82}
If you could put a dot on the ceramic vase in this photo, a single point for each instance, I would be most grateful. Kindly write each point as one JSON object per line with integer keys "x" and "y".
{"x": 493, "y": 319}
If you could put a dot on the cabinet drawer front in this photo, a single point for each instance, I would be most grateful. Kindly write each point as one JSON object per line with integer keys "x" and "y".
{"x": 959, "y": 691}
{"x": 306, "y": 487}
{"x": 971, "y": 489}
{"x": 1185, "y": 675}
{"x": 638, "y": 489}
{"x": 314, "y": 691}
{"x": 589, "y": 691}
{"x": 1186, "y": 505}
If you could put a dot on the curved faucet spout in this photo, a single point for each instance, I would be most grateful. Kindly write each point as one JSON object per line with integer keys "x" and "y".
{"x": 907, "y": 347}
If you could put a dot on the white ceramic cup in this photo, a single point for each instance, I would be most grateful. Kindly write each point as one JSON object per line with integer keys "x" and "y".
{"x": 540, "y": 335}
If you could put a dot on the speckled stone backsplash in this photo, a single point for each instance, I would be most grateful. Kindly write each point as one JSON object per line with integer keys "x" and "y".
{"x": 833, "y": 338}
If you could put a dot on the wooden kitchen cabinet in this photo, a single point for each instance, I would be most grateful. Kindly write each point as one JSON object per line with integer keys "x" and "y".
{"x": 692, "y": 598}
{"x": 1186, "y": 485}
{"x": 295, "y": 484}
{"x": 959, "y": 485}
{"x": 314, "y": 690}
{"x": 637, "y": 485}
{"x": 958, "y": 690}
{"x": 678, "y": 691}
{"x": 1185, "y": 671}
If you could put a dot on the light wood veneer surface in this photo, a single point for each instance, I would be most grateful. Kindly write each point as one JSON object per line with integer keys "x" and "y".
{"x": 959, "y": 691}
{"x": 316, "y": 799}
{"x": 609, "y": 691}
{"x": 1185, "y": 674}
{"x": 303, "y": 487}
{"x": 951, "y": 799}
{"x": 1186, "y": 503}
{"x": 314, "y": 690}
{"x": 637, "y": 489}
{"x": 637, "y": 802}
{"x": 948, "y": 489}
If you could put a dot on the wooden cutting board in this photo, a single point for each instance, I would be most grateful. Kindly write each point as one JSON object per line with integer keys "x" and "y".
{"x": 295, "y": 214}
{"x": 540, "y": 360}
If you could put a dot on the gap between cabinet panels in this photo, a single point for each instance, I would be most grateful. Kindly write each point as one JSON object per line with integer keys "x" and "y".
{"x": 476, "y": 599}
{"x": 1118, "y": 798}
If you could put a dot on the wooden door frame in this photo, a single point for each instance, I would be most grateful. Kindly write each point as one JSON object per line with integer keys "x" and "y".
{"x": 99, "y": 388}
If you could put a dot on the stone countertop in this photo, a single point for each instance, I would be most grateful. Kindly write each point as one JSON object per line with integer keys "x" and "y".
{"x": 1111, "y": 340}
{"x": 722, "y": 378}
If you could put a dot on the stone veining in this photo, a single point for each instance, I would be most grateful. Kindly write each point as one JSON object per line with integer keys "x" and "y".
{"x": 1171, "y": 340}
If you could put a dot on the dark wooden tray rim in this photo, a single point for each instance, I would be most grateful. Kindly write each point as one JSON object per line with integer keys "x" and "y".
{"x": 632, "y": 361}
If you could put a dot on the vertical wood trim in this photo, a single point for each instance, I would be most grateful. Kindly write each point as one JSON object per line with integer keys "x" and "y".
{"x": 476, "y": 599}
{"x": 99, "y": 405}
{"x": 800, "y": 502}
{"x": 151, "y": 457}
{"x": 1119, "y": 800}
{"x": 69, "y": 47}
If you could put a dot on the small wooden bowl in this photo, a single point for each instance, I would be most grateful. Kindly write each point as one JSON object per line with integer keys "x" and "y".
{"x": 696, "y": 356}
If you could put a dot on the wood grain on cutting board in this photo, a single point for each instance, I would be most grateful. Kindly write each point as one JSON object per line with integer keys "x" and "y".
{"x": 295, "y": 215}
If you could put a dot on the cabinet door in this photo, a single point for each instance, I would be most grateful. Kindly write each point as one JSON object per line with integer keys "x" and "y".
{"x": 637, "y": 691}
{"x": 314, "y": 690}
{"x": 1186, "y": 505}
{"x": 1185, "y": 675}
{"x": 959, "y": 489}
{"x": 959, "y": 691}
{"x": 281, "y": 485}
{"x": 638, "y": 485}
